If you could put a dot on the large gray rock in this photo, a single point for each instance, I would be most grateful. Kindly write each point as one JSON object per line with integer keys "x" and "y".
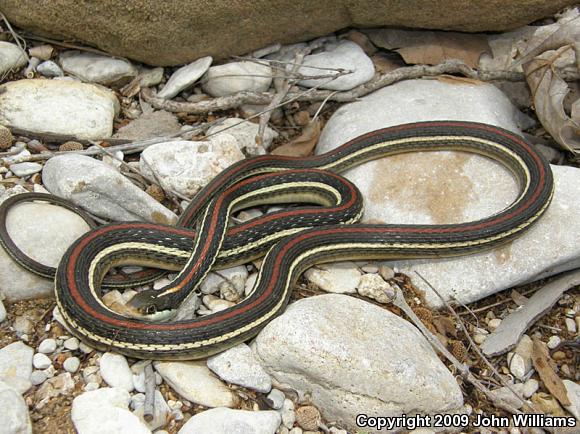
{"x": 178, "y": 32}
{"x": 44, "y": 232}
{"x": 101, "y": 190}
{"x": 445, "y": 187}
{"x": 352, "y": 357}
{"x": 96, "y": 68}
{"x": 15, "y": 419}
{"x": 58, "y": 106}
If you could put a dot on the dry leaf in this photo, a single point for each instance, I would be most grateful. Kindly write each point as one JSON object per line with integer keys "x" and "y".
{"x": 547, "y": 404}
{"x": 431, "y": 47}
{"x": 549, "y": 92}
{"x": 302, "y": 145}
{"x": 445, "y": 326}
{"x": 545, "y": 367}
{"x": 384, "y": 63}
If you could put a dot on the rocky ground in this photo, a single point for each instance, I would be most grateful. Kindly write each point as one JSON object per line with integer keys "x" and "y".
{"x": 494, "y": 333}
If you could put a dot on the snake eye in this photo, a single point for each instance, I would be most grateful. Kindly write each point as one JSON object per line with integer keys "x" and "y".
{"x": 151, "y": 309}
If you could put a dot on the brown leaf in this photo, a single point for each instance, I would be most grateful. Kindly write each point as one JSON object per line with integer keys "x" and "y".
{"x": 518, "y": 298}
{"x": 549, "y": 91}
{"x": 445, "y": 326}
{"x": 302, "y": 145}
{"x": 545, "y": 367}
{"x": 431, "y": 47}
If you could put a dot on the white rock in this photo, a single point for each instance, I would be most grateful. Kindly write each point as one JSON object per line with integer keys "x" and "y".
{"x": 71, "y": 344}
{"x": 41, "y": 361}
{"x": 375, "y": 287}
{"x": 245, "y": 133}
{"x": 47, "y": 346}
{"x": 276, "y": 399}
{"x": 16, "y": 366}
{"x": 345, "y": 55}
{"x": 234, "y": 278}
{"x": 216, "y": 304}
{"x": 195, "y": 382}
{"x": 82, "y": 110}
{"x": 185, "y": 166}
{"x": 531, "y": 386}
{"x": 116, "y": 372}
{"x": 25, "y": 169}
{"x": 38, "y": 377}
{"x": 160, "y": 410}
{"x": 227, "y": 421}
{"x": 96, "y": 68}
{"x": 71, "y": 364}
{"x": 238, "y": 366}
{"x": 185, "y": 77}
{"x": 2, "y": 312}
{"x": 45, "y": 238}
{"x": 102, "y": 190}
{"x": 553, "y": 342}
{"x": 288, "y": 414}
{"x": 573, "y": 391}
{"x": 236, "y": 77}
{"x": 444, "y": 187}
{"x": 11, "y": 57}
{"x": 570, "y": 325}
{"x": 105, "y": 411}
{"x": 494, "y": 323}
{"x": 49, "y": 68}
{"x": 342, "y": 277}
{"x": 517, "y": 366}
{"x": 15, "y": 418}
{"x": 321, "y": 344}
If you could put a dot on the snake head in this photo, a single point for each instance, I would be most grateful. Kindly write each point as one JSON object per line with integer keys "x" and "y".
{"x": 147, "y": 302}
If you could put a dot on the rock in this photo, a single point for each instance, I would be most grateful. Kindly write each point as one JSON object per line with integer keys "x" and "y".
{"x": 453, "y": 187}
{"x": 194, "y": 382}
{"x": 71, "y": 344}
{"x": 25, "y": 169}
{"x": 308, "y": 417}
{"x": 245, "y": 133}
{"x": 342, "y": 277}
{"x": 238, "y": 366}
{"x": 22, "y": 326}
{"x": 531, "y": 386}
{"x": 64, "y": 107}
{"x": 553, "y": 342}
{"x": 276, "y": 399}
{"x": 16, "y": 366}
{"x": 320, "y": 344}
{"x": 573, "y": 392}
{"x": 165, "y": 35}
{"x": 12, "y": 58}
{"x": 105, "y": 410}
{"x": 15, "y": 418}
{"x": 226, "y": 421}
{"x": 61, "y": 384}
{"x": 185, "y": 166}
{"x": 375, "y": 287}
{"x": 54, "y": 230}
{"x": 96, "y": 68}
{"x": 230, "y": 281}
{"x": 49, "y": 69}
{"x": 234, "y": 77}
{"x": 505, "y": 394}
{"x": 287, "y": 413}
{"x": 72, "y": 364}
{"x": 216, "y": 304}
{"x": 185, "y": 77}
{"x": 116, "y": 372}
{"x": 345, "y": 55}
{"x": 150, "y": 125}
{"x": 38, "y": 377}
{"x": 41, "y": 361}
{"x": 102, "y": 190}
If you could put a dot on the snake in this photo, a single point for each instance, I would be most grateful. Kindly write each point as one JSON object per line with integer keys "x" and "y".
{"x": 324, "y": 227}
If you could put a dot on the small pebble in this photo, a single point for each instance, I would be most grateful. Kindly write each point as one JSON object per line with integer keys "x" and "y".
{"x": 47, "y": 346}
{"x": 288, "y": 415}
{"x": 41, "y": 361}
{"x": 38, "y": 377}
{"x": 2, "y": 312}
{"x": 71, "y": 344}
{"x": 530, "y": 387}
{"x": 559, "y": 355}
{"x": 553, "y": 342}
{"x": 308, "y": 417}
{"x": 71, "y": 364}
{"x": 91, "y": 386}
{"x": 479, "y": 338}
{"x": 276, "y": 399}
{"x": 386, "y": 272}
{"x": 493, "y": 324}
{"x": 22, "y": 326}
{"x": 571, "y": 325}
{"x": 85, "y": 349}
{"x": 370, "y": 268}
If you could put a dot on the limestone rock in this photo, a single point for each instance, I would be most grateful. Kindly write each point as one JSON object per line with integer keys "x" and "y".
{"x": 11, "y": 57}
{"x": 58, "y": 106}
{"x": 226, "y": 421}
{"x": 230, "y": 78}
{"x": 96, "y": 68}
{"x": 163, "y": 33}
